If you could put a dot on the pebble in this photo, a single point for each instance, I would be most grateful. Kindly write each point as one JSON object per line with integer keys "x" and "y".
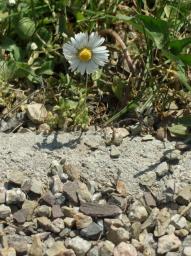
{"x": 187, "y": 251}
{"x": 92, "y": 232}
{"x": 179, "y": 221}
{"x": 69, "y": 211}
{"x": 36, "y": 112}
{"x": 20, "y": 216}
{"x": 168, "y": 243}
{"x": 137, "y": 212}
{"x": 94, "y": 251}
{"x": 37, "y": 248}
{"x": 5, "y": 211}
{"x": 29, "y": 207}
{"x": 36, "y": 186}
{"x": 125, "y": 249}
{"x": 79, "y": 245}
{"x": 14, "y": 196}
{"x": 57, "y": 184}
{"x": 2, "y": 194}
{"x": 117, "y": 235}
{"x": 121, "y": 188}
{"x": 106, "y": 248}
{"x": 82, "y": 220}
{"x": 162, "y": 169}
{"x": 56, "y": 249}
{"x": 72, "y": 171}
{"x": 115, "y": 152}
{"x": 48, "y": 198}
{"x": 184, "y": 195}
{"x": 43, "y": 210}
{"x": 162, "y": 222}
{"x": 69, "y": 222}
{"x": 56, "y": 212}
{"x": 8, "y": 252}
{"x": 16, "y": 177}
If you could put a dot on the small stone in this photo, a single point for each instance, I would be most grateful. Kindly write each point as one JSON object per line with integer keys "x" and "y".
{"x": 29, "y": 207}
{"x": 43, "y": 210}
{"x": 70, "y": 190}
{"x": 56, "y": 212}
{"x": 60, "y": 199}
{"x": 36, "y": 248}
{"x": 100, "y": 211}
{"x": 136, "y": 229}
{"x": 2, "y": 194}
{"x": 125, "y": 249}
{"x": 69, "y": 222}
{"x": 19, "y": 244}
{"x": 151, "y": 220}
{"x": 181, "y": 233}
{"x": 44, "y": 129}
{"x": 79, "y": 245}
{"x": 114, "y": 153}
{"x": 48, "y": 198}
{"x": 37, "y": 113}
{"x": 117, "y": 137}
{"x": 117, "y": 235}
{"x": 184, "y": 195}
{"x": 72, "y": 171}
{"x": 36, "y": 186}
{"x": 20, "y": 216}
{"x": 147, "y": 137}
{"x": 187, "y": 251}
{"x": 118, "y": 200}
{"x": 115, "y": 222}
{"x": 162, "y": 222}
{"x": 137, "y": 212}
{"x": 57, "y": 184}
{"x": 59, "y": 223}
{"x": 82, "y": 220}
{"x": 7, "y": 251}
{"x": 179, "y": 221}
{"x": 56, "y": 168}
{"x": 5, "y": 211}
{"x": 148, "y": 179}
{"x": 92, "y": 144}
{"x": 106, "y": 248}
{"x": 15, "y": 196}
{"x": 94, "y": 251}
{"x": 56, "y": 249}
{"x": 121, "y": 188}
{"x": 69, "y": 211}
{"x": 149, "y": 199}
{"x": 91, "y": 232}
{"x": 16, "y": 177}
{"x": 46, "y": 224}
{"x": 168, "y": 243}
{"x": 162, "y": 169}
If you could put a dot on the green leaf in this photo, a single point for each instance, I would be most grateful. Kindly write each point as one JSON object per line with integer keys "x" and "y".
{"x": 46, "y": 68}
{"x": 176, "y": 46}
{"x": 185, "y": 58}
{"x": 185, "y": 120}
{"x": 9, "y": 45}
{"x": 26, "y": 28}
{"x": 7, "y": 70}
{"x": 156, "y": 29}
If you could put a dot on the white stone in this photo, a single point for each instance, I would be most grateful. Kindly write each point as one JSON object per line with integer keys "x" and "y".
{"x": 14, "y": 196}
{"x": 79, "y": 245}
{"x": 168, "y": 243}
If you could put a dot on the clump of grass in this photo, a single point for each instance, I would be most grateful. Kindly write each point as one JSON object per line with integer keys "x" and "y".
{"x": 149, "y": 69}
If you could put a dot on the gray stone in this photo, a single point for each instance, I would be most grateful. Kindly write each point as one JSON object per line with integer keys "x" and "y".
{"x": 60, "y": 199}
{"x": 69, "y": 222}
{"x": 137, "y": 212}
{"x": 43, "y": 210}
{"x": 37, "y": 248}
{"x": 92, "y": 232}
{"x": 125, "y": 249}
{"x": 57, "y": 184}
{"x": 36, "y": 186}
{"x": 168, "y": 243}
{"x": 56, "y": 212}
{"x": 72, "y": 171}
{"x": 46, "y": 224}
{"x": 48, "y": 198}
{"x": 82, "y": 220}
{"x": 179, "y": 221}
{"x": 20, "y": 216}
{"x": 5, "y": 211}
{"x": 149, "y": 199}
{"x": 94, "y": 251}
{"x": 106, "y": 248}
{"x": 29, "y": 207}
{"x": 2, "y": 194}
{"x": 59, "y": 223}
{"x": 19, "y": 243}
{"x": 187, "y": 251}
{"x": 69, "y": 211}
{"x": 92, "y": 144}
{"x": 56, "y": 249}
{"x": 184, "y": 195}
{"x": 114, "y": 153}
{"x": 37, "y": 113}
{"x": 117, "y": 235}
{"x": 162, "y": 169}
{"x": 151, "y": 220}
{"x": 162, "y": 222}
{"x": 14, "y": 196}
{"x": 16, "y": 177}
{"x": 79, "y": 245}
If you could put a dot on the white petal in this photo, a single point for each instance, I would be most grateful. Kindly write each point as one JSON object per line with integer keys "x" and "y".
{"x": 91, "y": 67}
{"x": 100, "y": 49}
{"x": 82, "y": 67}
{"x": 74, "y": 64}
{"x": 95, "y": 40}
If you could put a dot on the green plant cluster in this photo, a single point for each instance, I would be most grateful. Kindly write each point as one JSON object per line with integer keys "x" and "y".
{"x": 157, "y": 34}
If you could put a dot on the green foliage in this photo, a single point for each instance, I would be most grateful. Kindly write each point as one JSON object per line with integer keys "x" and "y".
{"x": 157, "y": 35}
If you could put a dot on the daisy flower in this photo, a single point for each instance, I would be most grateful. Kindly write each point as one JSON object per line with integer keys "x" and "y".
{"x": 85, "y": 53}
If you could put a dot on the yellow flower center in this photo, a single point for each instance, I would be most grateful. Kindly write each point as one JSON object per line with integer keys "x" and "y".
{"x": 85, "y": 54}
